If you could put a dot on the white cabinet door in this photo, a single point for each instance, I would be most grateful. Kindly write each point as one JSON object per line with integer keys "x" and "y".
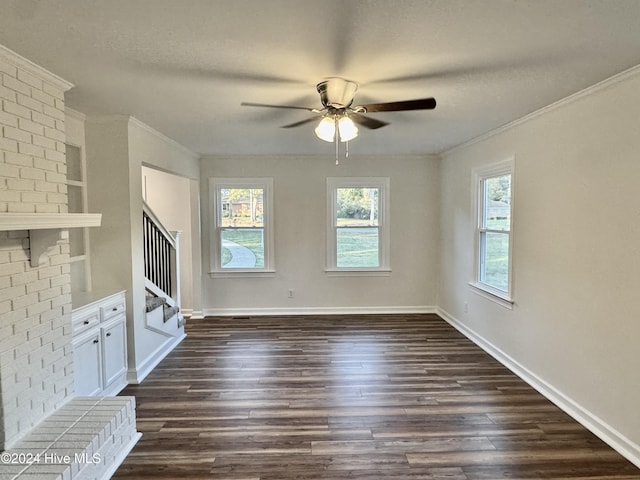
{"x": 87, "y": 365}
{"x": 114, "y": 351}
{"x": 100, "y": 344}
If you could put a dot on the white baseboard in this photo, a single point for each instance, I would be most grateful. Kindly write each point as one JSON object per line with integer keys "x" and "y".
{"x": 136, "y": 375}
{"x": 255, "y": 312}
{"x": 608, "y": 434}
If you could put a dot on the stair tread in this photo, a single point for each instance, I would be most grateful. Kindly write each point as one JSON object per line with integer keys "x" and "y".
{"x": 155, "y": 302}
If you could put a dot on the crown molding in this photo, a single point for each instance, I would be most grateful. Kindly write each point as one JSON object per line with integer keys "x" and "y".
{"x": 26, "y": 65}
{"x": 75, "y": 114}
{"x": 598, "y": 87}
{"x": 163, "y": 137}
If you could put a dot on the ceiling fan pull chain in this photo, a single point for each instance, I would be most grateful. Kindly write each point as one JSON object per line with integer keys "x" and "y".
{"x": 346, "y": 149}
{"x": 337, "y": 143}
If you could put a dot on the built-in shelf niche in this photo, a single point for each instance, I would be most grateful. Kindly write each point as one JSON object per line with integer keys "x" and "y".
{"x": 45, "y": 229}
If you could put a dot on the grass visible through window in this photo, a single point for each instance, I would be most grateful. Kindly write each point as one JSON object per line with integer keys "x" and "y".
{"x": 248, "y": 238}
{"x": 357, "y": 247}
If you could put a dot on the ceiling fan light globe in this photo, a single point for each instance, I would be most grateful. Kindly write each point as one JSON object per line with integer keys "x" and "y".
{"x": 326, "y": 129}
{"x": 348, "y": 130}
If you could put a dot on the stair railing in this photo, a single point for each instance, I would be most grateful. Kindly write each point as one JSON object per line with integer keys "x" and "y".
{"x": 161, "y": 258}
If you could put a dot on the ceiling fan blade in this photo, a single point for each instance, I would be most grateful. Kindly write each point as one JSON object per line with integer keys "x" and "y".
{"x": 250, "y": 104}
{"x": 367, "y": 122}
{"x": 419, "y": 104}
{"x": 301, "y": 122}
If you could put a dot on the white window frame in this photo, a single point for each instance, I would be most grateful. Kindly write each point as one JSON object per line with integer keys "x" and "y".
{"x": 216, "y": 184}
{"x": 383, "y": 186}
{"x": 480, "y": 176}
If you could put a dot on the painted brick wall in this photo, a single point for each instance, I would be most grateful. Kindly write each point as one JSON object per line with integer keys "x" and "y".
{"x": 36, "y": 360}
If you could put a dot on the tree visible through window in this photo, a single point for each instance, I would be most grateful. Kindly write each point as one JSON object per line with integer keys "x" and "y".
{"x": 241, "y": 229}
{"x": 357, "y": 233}
{"x": 357, "y": 229}
{"x": 494, "y": 229}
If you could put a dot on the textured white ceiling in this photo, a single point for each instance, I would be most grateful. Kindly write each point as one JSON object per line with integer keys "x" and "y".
{"x": 184, "y": 66}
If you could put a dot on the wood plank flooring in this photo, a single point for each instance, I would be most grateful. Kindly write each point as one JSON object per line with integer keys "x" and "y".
{"x": 395, "y": 397}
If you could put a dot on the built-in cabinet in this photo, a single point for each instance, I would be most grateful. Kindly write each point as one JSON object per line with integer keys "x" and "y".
{"x": 99, "y": 343}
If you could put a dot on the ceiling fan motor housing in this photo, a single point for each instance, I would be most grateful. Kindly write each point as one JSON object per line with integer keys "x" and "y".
{"x": 337, "y": 92}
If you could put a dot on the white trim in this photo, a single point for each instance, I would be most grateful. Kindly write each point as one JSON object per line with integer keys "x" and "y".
{"x": 478, "y": 176}
{"x": 358, "y": 272}
{"x": 45, "y": 229}
{"x": 383, "y": 184}
{"x": 136, "y": 374}
{"x": 623, "y": 445}
{"x": 364, "y": 310}
{"x": 40, "y": 221}
{"x": 574, "y": 97}
{"x": 164, "y": 138}
{"x": 264, "y": 183}
{"x": 242, "y": 273}
{"x": 76, "y": 115}
{"x": 27, "y": 65}
{"x": 494, "y": 295}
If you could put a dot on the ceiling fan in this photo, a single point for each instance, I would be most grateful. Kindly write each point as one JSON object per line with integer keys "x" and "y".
{"x": 339, "y": 115}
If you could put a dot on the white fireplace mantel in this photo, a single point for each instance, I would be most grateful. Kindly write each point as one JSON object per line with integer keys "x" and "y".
{"x": 45, "y": 229}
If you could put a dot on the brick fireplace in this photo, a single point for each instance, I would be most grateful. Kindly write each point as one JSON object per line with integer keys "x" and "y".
{"x": 36, "y": 361}
{"x": 36, "y": 357}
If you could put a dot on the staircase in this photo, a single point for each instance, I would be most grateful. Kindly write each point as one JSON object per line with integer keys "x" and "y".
{"x": 162, "y": 276}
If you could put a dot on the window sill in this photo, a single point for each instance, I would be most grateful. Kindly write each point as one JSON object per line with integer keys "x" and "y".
{"x": 495, "y": 296}
{"x": 240, "y": 273}
{"x": 345, "y": 272}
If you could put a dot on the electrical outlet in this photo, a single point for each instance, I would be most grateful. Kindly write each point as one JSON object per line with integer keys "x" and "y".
{"x": 291, "y": 292}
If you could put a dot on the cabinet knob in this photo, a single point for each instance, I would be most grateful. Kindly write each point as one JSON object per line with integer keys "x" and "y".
{"x": 114, "y": 309}
{"x": 109, "y": 334}
{"x": 86, "y": 322}
{"x": 96, "y": 341}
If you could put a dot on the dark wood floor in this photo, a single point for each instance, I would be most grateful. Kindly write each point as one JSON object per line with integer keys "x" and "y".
{"x": 399, "y": 397}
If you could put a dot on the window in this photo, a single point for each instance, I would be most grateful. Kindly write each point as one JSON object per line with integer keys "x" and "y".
{"x": 241, "y": 225}
{"x": 358, "y": 230}
{"x": 493, "y": 229}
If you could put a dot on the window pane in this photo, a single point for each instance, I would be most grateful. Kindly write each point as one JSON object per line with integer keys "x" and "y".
{"x": 357, "y": 247}
{"x": 494, "y": 264}
{"x": 357, "y": 206}
{"x": 241, "y": 207}
{"x": 497, "y": 202}
{"x": 242, "y": 248}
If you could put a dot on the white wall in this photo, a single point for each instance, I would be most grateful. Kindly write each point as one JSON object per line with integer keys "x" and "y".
{"x": 300, "y": 237}
{"x": 160, "y": 154}
{"x": 117, "y": 147}
{"x": 575, "y": 326}
{"x": 169, "y": 197}
{"x": 114, "y": 190}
